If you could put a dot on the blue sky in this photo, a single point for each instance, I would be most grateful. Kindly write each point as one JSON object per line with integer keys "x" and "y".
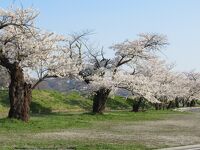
{"x": 117, "y": 20}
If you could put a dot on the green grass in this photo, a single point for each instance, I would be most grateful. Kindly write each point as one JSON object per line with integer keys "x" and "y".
{"x": 19, "y": 133}
{"x": 118, "y": 103}
{"x": 60, "y": 112}
{"x": 73, "y": 145}
{"x": 4, "y": 101}
{"x": 46, "y": 101}
{"x": 54, "y": 121}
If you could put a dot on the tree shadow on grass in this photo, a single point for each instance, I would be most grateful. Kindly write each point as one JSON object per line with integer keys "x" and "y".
{"x": 37, "y": 108}
{"x": 117, "y": 105}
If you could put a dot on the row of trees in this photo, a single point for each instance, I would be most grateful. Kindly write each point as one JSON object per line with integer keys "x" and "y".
{"x": 137, "y": 68}
{"x": 27, "y": 50}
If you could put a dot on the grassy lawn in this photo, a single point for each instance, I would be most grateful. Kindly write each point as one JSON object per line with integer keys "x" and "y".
{"x": 57, "y": 121}
{"x": 62, "y": 121}
{"x": 75, "y": 130}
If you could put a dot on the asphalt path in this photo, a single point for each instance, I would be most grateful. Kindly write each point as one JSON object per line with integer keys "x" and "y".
{"x": 189, "y": 147}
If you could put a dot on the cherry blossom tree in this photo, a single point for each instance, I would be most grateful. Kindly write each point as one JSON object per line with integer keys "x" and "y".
{"x": 191, "y": 84}
{"x": 24, "y": 48}
{"x": 141, "y": 87}
{"x": 162, "y": 75}
{"x": 169, "y": 87}
{"x": 64, "y": 60}
{"x": 102, "y": 72}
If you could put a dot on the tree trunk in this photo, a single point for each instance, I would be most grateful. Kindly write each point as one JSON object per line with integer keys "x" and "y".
{"x": 19, "y": 95}
{"x": 100, "y": 99}
{"x": 183, "y": 102}
{"x": 136, "y": 104}
{"x": 177, "y": 102}
{"x": 192, "y": 103}
{"x": 171, "y": 105}
{"x": 188, "y": 104}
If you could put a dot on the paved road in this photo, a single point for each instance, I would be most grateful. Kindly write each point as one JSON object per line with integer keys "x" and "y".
{"x": 189, "y": 147}
{"x": 189, "y": 109}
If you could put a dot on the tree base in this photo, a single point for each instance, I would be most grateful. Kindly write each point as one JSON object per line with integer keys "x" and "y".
{"x": 99, "y": 100}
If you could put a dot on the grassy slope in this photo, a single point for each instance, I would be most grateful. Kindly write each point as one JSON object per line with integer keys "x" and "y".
{"x": 52, "y": 101}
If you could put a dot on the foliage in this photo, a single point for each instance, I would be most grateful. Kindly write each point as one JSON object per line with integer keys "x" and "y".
{"x": 25, "y": 44}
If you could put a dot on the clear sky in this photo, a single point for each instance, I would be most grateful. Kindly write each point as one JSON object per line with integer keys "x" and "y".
{"x": 116, "y": 20}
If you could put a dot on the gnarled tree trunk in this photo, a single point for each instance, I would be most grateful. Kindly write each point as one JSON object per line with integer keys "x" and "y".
{"x": 136, "y": 104}
{"x": 19, "y": 94}
{"x": 100, "y": 99}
